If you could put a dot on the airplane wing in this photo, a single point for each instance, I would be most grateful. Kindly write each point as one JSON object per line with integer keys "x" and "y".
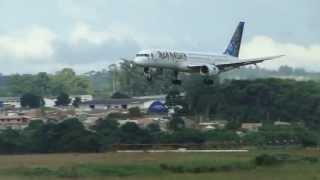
{"x": 127, "y": 60}
{"x": 244, "y": 62}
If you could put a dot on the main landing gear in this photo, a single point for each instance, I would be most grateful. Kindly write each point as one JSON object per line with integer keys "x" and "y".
{"x": 176, "y": 81}
{"x": 147, "y": 74}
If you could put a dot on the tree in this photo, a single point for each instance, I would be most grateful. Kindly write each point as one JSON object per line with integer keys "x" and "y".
{"x": 154, "y": 128}
{"x": 63, "y": 100}
{"x": 131, "y": 133}
{"x": 31, "y": 100}
{"x": 10, "y": 141}
{"x": 221, "y": 136}
{"x": 173, "y": 98}
{"x": 119, "y": 95}
{"x": 176, "y": 123}
{"x": 71, "y": 136}
{"x": 233, "y": 125}
{"x": 21, "y": 84}
{"x": 66, "y": 81}
{"x": 41, "y": 84}
{"x": 106, "y": 124}
{"x": 135, "y": 112}
{"x": 184, "y": 136}
{"x": 286, "y": 70}
{"x": 76, "y": 102}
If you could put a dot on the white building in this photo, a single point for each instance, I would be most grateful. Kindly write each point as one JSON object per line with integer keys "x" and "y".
{"x": 14, "y": 122}
{"x": 10, "y": 102}
{"x": 252, "y": 127}
{"x": 281, "y": 123}
{"x": 118, "y": 104}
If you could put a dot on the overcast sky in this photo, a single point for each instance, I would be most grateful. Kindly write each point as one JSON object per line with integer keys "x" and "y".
{"x": 47, "y": 35}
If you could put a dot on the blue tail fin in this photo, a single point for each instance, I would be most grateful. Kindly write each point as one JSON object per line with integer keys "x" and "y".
{"x": 235, "y": 43}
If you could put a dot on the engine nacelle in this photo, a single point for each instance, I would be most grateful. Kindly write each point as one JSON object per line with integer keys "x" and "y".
{"x": 209, "y": 70}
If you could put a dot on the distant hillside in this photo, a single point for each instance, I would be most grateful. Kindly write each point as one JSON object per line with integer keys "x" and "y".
{"x": 284, "y": 72}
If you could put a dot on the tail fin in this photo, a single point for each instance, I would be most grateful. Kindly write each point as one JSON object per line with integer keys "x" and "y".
{"x": 235, "y": 43}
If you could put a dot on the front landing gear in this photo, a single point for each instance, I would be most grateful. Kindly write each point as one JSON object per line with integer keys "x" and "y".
{"x": 208, "y": 81}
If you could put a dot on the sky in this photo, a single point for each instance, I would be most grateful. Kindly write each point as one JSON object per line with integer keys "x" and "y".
{"x": 48, "y": 35}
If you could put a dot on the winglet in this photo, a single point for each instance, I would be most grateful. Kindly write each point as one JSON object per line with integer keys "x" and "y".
{"x": 233, "y": 48}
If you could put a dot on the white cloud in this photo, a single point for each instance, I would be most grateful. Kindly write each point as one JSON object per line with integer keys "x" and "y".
{"x": 118, "y": 33}
{"x": 307, "y": 57}
{"x": 88, "y": 48}
{"x": 35, "y": 43}
{"x": 84, "y": 32}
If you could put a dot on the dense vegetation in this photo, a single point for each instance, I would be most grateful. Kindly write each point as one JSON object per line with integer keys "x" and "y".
{"x": 43, "y": 84}
{"x": 237, "y": 101}
{"x": 71, "y": 136}
{"x": 262, "y": 100}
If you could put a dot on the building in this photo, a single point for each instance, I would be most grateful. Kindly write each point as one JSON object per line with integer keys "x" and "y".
{"x": 51, "y": 102}
{"x": 10, "y": 102}
{"x": 14, "y": 122}
{"x": 84, "y": 98}
{"x": 123, "y": 122}
{"x": 212, "y": 125}
{"x": 118, "y": 104}
{"x": 141, "y": 122}
{"x": 281, "y": 123}
{"x": 251, "y": 127}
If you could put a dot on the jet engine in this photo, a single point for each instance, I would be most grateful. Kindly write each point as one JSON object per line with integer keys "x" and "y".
{"x": 209, "y": 70}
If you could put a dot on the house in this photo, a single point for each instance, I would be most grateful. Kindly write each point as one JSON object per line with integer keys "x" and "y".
{"x": 281, "y": 123}
{"x": 32, "y": 113}
{"x": 84, "y": 98}
{"x": 58, "y": 115}
{"x": 51, "y": 102}
{"x": 109, "y": 104}
{"x": 123, "y": 122}
{"x": 212, "y": 125}
{"x": 10, "y": 102}
{"x": 141, "y": 122}
{"x": 117, "y": 104}
{"x": 14, "y": 122}
{"x": 89, "y": 118}
{"x": 251, "y": 127}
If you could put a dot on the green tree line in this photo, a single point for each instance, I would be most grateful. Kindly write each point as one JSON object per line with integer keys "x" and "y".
{"x": 261, "y": 100}
{"x": 71, "y": 136}
{"x": 44, "y": 84}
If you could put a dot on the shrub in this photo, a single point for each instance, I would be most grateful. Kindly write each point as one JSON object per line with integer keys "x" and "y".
{"x": 135, "y": 112}
{"x": 311, "y": 159}
{"x": 267, "y": 160}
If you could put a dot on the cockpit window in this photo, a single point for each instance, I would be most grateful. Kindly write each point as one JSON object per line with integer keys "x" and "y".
{"x": 142, "y": 55}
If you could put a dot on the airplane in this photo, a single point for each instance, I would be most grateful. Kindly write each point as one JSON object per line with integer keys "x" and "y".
{"x": 208, "y": 65}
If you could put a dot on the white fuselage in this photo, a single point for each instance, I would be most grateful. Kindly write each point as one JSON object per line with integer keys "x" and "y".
{"x": 178, "y": 60}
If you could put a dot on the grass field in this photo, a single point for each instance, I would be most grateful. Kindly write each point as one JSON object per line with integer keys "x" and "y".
{"x": 140, "y": 166}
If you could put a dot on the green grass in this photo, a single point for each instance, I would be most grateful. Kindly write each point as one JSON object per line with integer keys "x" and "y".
{"x": 231, "y": 166}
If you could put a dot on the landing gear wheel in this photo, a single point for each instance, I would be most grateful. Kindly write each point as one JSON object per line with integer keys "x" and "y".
{"x": 147, "y": 74}
{"x": 146, "y": 70}
{"x": 176, "y": 80}
{"x": 208, "y": 81}
{"x": 149, "y": 77}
